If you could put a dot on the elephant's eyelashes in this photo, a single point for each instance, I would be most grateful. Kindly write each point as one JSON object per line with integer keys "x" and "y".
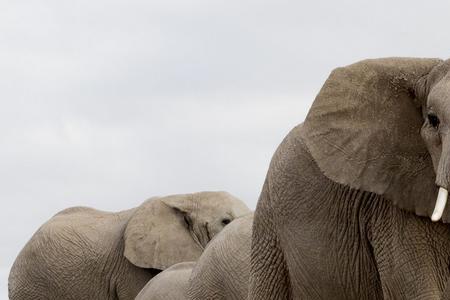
{"x": 434, "y": 120}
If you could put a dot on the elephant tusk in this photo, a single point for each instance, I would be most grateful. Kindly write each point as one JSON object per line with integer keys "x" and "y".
{"x": 440, "y": 205}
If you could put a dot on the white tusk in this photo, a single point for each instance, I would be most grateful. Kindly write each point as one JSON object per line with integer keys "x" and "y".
{"x": 440, "y": 205}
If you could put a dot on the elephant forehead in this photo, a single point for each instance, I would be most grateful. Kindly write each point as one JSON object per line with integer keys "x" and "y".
{"x": 218, "y": 204}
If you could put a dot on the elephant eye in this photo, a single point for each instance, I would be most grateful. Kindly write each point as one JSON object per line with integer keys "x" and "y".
{"x": 226, "y": 221}
{"x": 434, "y": 120}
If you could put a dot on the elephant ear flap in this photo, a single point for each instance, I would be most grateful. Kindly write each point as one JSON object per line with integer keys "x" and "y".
{"x": 181, "y": 203}
{"x": 363, "y": 130}
{"x": 157, "y": 235}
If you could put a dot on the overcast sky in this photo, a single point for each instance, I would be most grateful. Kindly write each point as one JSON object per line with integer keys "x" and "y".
{"x": 106, "y": 103}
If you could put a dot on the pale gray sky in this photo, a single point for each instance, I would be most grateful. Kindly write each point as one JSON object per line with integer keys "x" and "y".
{"x": 106, "y": 103}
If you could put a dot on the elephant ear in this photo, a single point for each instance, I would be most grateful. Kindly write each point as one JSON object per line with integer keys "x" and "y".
{"x": 363, "y": 131}
{"x": 157, "y": 235}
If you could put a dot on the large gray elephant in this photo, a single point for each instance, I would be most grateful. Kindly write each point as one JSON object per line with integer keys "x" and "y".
{"x": 221, "y": 272}
{"x": 83, "y": 253}
{"x": 346, "y": 205}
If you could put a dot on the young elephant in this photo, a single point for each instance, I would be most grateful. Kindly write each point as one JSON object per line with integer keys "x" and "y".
{"x": 221, "y": 272}
{"x": 83, "y": 253}
{"x": 171, "y": 284}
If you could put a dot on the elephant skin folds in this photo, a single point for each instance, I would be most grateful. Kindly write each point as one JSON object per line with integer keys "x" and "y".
{"x": 324, "y": 240}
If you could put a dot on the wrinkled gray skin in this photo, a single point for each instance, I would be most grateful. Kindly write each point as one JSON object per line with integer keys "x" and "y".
{"x": 83, "y": 253}
{"x": 222, "y": 272}
{"x": 345, "y": 208}
{"x": 171, "y": 284}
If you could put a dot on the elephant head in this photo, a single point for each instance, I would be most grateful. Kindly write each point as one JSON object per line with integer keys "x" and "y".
{"x": 168, "y": 230}
{"x": 383, "y": 126}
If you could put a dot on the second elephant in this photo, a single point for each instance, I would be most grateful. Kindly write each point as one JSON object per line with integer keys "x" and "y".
{"x": 82, "y": 253}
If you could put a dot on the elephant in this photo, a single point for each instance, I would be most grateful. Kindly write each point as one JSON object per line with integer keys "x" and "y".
{"x": 170, "y": 284}
{"x": 221, "y": 272}
{"x": 83, "y": 253}
{"x": 353, "y": 205}
{"x": 223, "y": 269}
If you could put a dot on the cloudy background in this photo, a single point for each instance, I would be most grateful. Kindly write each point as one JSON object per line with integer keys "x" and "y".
{"x": 106, "y": 103}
